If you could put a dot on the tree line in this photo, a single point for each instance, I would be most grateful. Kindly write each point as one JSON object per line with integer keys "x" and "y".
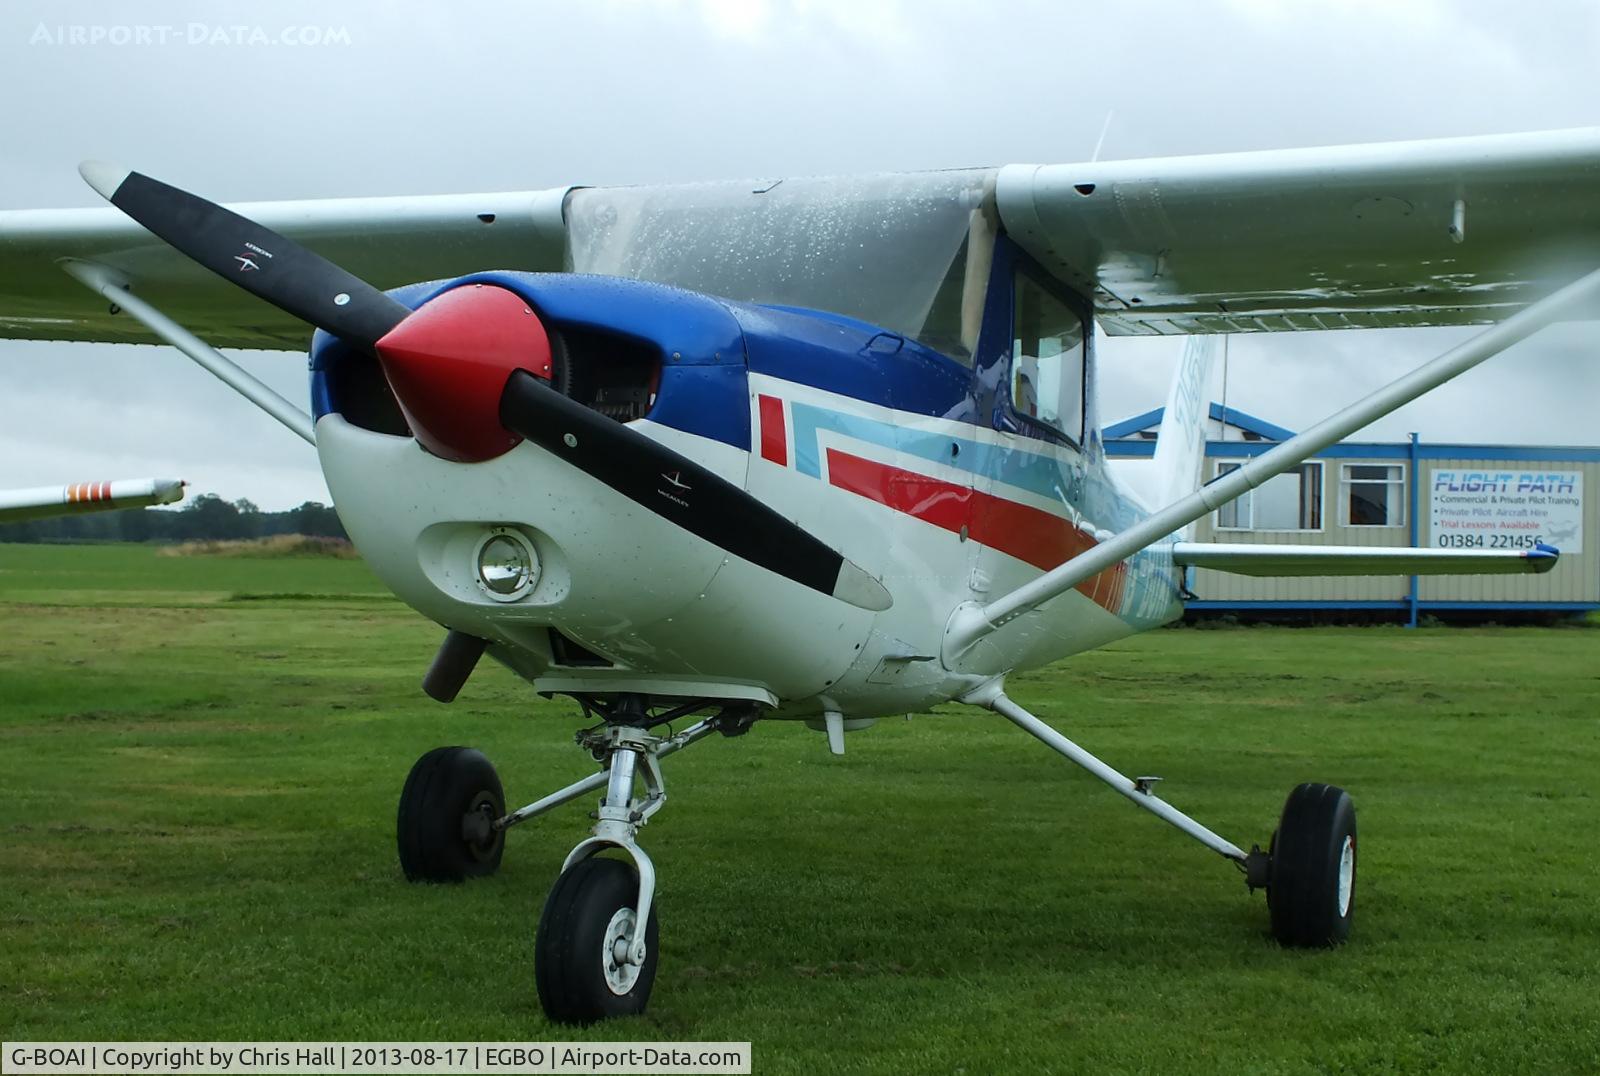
{"x": 205, "y": 518}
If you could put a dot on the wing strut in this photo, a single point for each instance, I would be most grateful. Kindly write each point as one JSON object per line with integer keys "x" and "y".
{"x": 109, "y": 284}
{"x": 972, "y": 621}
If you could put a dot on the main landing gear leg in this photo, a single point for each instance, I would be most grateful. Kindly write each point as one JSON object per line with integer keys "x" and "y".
{"x": 1309, "y": 869}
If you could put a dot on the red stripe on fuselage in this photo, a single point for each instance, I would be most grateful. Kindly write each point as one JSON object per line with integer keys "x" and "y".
{"x": 1040, "y": 538}
{"x": 774, "y": 434}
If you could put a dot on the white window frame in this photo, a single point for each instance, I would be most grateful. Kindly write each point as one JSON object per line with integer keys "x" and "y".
{"x": 1345, "y": 482}
{"x": 1322, "y": 500}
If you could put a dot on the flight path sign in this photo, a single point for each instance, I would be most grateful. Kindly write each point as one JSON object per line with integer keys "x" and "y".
{"x": 1484, "y": 509}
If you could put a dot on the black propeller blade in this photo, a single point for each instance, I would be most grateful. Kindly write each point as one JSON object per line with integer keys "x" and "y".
{"x": 681, "y": 491}
{"x": 259, "y": 260}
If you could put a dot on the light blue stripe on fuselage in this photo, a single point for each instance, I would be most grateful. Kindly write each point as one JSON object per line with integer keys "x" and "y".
{"x": 1013, "y": 467}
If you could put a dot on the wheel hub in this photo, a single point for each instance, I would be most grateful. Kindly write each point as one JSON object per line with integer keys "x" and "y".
{"x": 1347, "y": 874}
{"x": 477, "y": 825}
{"x": 621, "y": 973}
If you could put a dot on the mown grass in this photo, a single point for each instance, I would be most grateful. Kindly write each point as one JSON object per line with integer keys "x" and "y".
{"x": 197, "y": 800}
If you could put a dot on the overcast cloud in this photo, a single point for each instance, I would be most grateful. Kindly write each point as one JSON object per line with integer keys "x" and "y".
{"x": 431, "y": 98}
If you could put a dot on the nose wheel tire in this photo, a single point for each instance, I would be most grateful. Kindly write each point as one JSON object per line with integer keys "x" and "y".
{"x": 444, "y": 829}
{"x": 580, "y": 956}
{"x": 1311, "y": 894}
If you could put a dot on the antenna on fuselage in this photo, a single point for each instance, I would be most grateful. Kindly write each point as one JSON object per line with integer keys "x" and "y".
{"x": 1101, "y": 141}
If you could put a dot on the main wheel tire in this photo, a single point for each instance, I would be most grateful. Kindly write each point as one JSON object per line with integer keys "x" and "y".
{"x": 441, "y": 829}
{"x": 574, "y": 956}
{"x": 1312, "y": 892}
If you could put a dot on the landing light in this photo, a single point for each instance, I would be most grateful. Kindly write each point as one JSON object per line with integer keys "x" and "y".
{"x": 507, "y": 565}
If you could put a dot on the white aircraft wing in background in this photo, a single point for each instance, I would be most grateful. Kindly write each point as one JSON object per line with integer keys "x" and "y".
{"x": 20, "y": 504}
{"x": 1294, "y": 560}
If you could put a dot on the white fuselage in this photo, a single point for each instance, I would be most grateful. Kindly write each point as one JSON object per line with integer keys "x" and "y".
{"x": 677, "y": 616}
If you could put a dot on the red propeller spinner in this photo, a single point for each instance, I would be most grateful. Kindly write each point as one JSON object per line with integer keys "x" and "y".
{"x": 448, "y": 363}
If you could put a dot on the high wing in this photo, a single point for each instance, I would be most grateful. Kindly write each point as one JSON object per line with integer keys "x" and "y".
{"x": 389, "y": 241}
{"x": 21, "y": 504}
{"x": 1293, "y": 560}
{"x": 1445, "y": 232}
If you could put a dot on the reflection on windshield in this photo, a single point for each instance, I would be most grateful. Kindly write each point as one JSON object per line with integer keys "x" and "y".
{"x": 888, "y": 249}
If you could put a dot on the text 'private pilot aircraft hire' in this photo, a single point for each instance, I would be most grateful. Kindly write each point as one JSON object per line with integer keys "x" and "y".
{"x": 820, "y": 449}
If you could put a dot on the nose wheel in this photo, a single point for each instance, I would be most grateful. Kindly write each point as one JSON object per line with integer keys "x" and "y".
{"x": 582, "y": 956}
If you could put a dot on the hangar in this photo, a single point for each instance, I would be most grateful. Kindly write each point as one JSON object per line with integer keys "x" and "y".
{"x": 1411, "y": 494}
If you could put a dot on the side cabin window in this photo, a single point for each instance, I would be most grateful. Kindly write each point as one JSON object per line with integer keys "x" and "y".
{"x": 1047, "y": 362}
{"x": 1291, "y": 501}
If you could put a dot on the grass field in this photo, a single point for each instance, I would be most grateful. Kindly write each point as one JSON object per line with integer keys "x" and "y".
{"x": 199, "y": 760}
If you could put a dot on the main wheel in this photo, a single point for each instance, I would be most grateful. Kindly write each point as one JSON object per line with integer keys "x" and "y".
{"x": 579, "y": 957}
{"x": 1312, "y": 891}
{"x": 443, "y": 829}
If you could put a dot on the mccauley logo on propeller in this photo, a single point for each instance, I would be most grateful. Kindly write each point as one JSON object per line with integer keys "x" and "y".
{"x": 247, "y": 263}
{"x": 674, "y": 478}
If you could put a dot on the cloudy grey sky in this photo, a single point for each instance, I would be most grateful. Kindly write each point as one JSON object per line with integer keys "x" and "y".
{"x": 411, "y": 98}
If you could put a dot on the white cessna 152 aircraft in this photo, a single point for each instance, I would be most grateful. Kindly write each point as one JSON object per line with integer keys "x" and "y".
{"x": 822, "y": 450}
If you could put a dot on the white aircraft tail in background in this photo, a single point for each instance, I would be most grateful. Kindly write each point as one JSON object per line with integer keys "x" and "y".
{"x": 20, "y": 504}
{"x": 1181, "y": 441}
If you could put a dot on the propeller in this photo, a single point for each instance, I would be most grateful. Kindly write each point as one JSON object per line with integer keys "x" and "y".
{"x": 470, "y": 369}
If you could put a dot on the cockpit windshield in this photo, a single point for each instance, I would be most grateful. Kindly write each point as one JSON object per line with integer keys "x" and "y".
{"x": 891, "y": 250}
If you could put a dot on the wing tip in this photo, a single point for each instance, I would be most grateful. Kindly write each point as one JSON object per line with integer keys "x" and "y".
{"x": 1542, "y": 557}
{"x": 104, "y": 177}
{"x": 169, "y": 490}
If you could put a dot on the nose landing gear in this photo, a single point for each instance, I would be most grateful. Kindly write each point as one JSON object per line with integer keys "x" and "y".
{"x": 595, "y": 953}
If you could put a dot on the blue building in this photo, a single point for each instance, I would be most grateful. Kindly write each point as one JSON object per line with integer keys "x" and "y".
{"x": 1414, "y": 493}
